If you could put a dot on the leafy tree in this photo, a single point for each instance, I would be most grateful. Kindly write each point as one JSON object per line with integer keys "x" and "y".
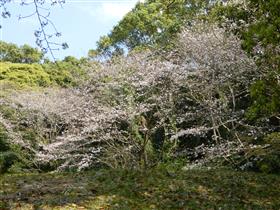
{"x": 262, "y": 40}
{"x": 72, "y": 60}
{"x": 9, "y": 52}
{"x": 257, "y": 23}
{"x": 66, "y": 73}
{"x": 23, "y": 54}
{"x": 30, "y": 54}
{"x": 150, "y": 24}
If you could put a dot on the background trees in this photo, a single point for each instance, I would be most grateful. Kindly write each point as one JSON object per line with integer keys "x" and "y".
{"x": 25, "y": 66}
{"x": 257, "y": 24}
{"x": 23, "y": 54}
{"x": 189, "y": 79}
{"x": 151, "y": 24}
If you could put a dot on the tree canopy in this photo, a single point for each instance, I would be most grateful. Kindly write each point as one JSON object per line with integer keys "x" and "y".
{"x": 257, "y": 24}
{"x": 153, "y": 23}
{"x": 19, "y": 54}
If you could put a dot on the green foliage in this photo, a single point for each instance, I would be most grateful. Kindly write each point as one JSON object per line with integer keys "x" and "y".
{"x": 12, "y": 156}
{"x": 19, "y": 71}
{"x": 265, "y": 96}
{"x": 266, "y": 29}
{"x": 92, "y": 54}
{"x": 7, "y": 157}
{"x": 154, "y": 23}
{"x": 3, "y": 139}
{"x": 25, "y": 54}
{"x": 232, "y": 13}
{"x": 271, "y": 159}
{"x": 268, "y": 158}
{"x": 24, "y": 75}
{"x": 31, "y": 136}
{"x": 273, "y": 139}
{"x": 69, "y": 72}
{"x": 66, "y": 73}
{"x": 257, "y": 24}
{"x": 264, "y": 156}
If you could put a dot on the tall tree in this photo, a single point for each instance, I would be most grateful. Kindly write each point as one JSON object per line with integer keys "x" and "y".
{"x": 258, "y": 24}
{"x": 150, "y": 24}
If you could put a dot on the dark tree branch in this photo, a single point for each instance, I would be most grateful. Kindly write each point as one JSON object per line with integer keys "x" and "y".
{"x": 42, "y": 37}
{"x": 43, "y": 30}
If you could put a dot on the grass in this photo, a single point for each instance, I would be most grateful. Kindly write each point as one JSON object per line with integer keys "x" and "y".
{"x": 152, "y": 189}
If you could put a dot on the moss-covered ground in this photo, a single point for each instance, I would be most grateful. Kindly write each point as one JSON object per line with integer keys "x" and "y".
{"x": 152, "y": 189}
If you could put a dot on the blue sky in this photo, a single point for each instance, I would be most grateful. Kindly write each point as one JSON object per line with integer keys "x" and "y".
{"x": 81, "y": 23}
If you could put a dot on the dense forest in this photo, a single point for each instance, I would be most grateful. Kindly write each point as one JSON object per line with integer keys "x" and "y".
{"x": 178, "y": 107}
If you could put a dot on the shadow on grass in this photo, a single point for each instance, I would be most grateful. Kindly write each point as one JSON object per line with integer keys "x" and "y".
{"x": 156, "y": 189}
{"x": 43, "y": 190}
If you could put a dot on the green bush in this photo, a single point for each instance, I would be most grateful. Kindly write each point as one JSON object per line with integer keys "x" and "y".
{"x": 263, "y": 158}
{"x": 65, "y": 73}
{"x": 265, "y": 96}
{"x": 3, "y": 139}
{"x": 7, "y": 159}
{"x": 12, "y": 156}
{"x": 24, "y": 75}
{"x": 271, "y": 160}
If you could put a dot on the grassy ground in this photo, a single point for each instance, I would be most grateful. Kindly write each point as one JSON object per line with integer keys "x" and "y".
{"x": 154, "y": 189}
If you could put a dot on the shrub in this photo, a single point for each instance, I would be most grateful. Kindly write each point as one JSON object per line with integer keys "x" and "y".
{"x": 264, "y": 157}
{"x": 3, "y": 139}
{"x": 7, "y": 159}
{"x": 265, "y": 96}
{"x": 24, "y": 75}
{"x": 65, "y": 73}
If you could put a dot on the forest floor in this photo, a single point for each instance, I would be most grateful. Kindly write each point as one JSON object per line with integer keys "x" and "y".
{"x": 151, "y": 189}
